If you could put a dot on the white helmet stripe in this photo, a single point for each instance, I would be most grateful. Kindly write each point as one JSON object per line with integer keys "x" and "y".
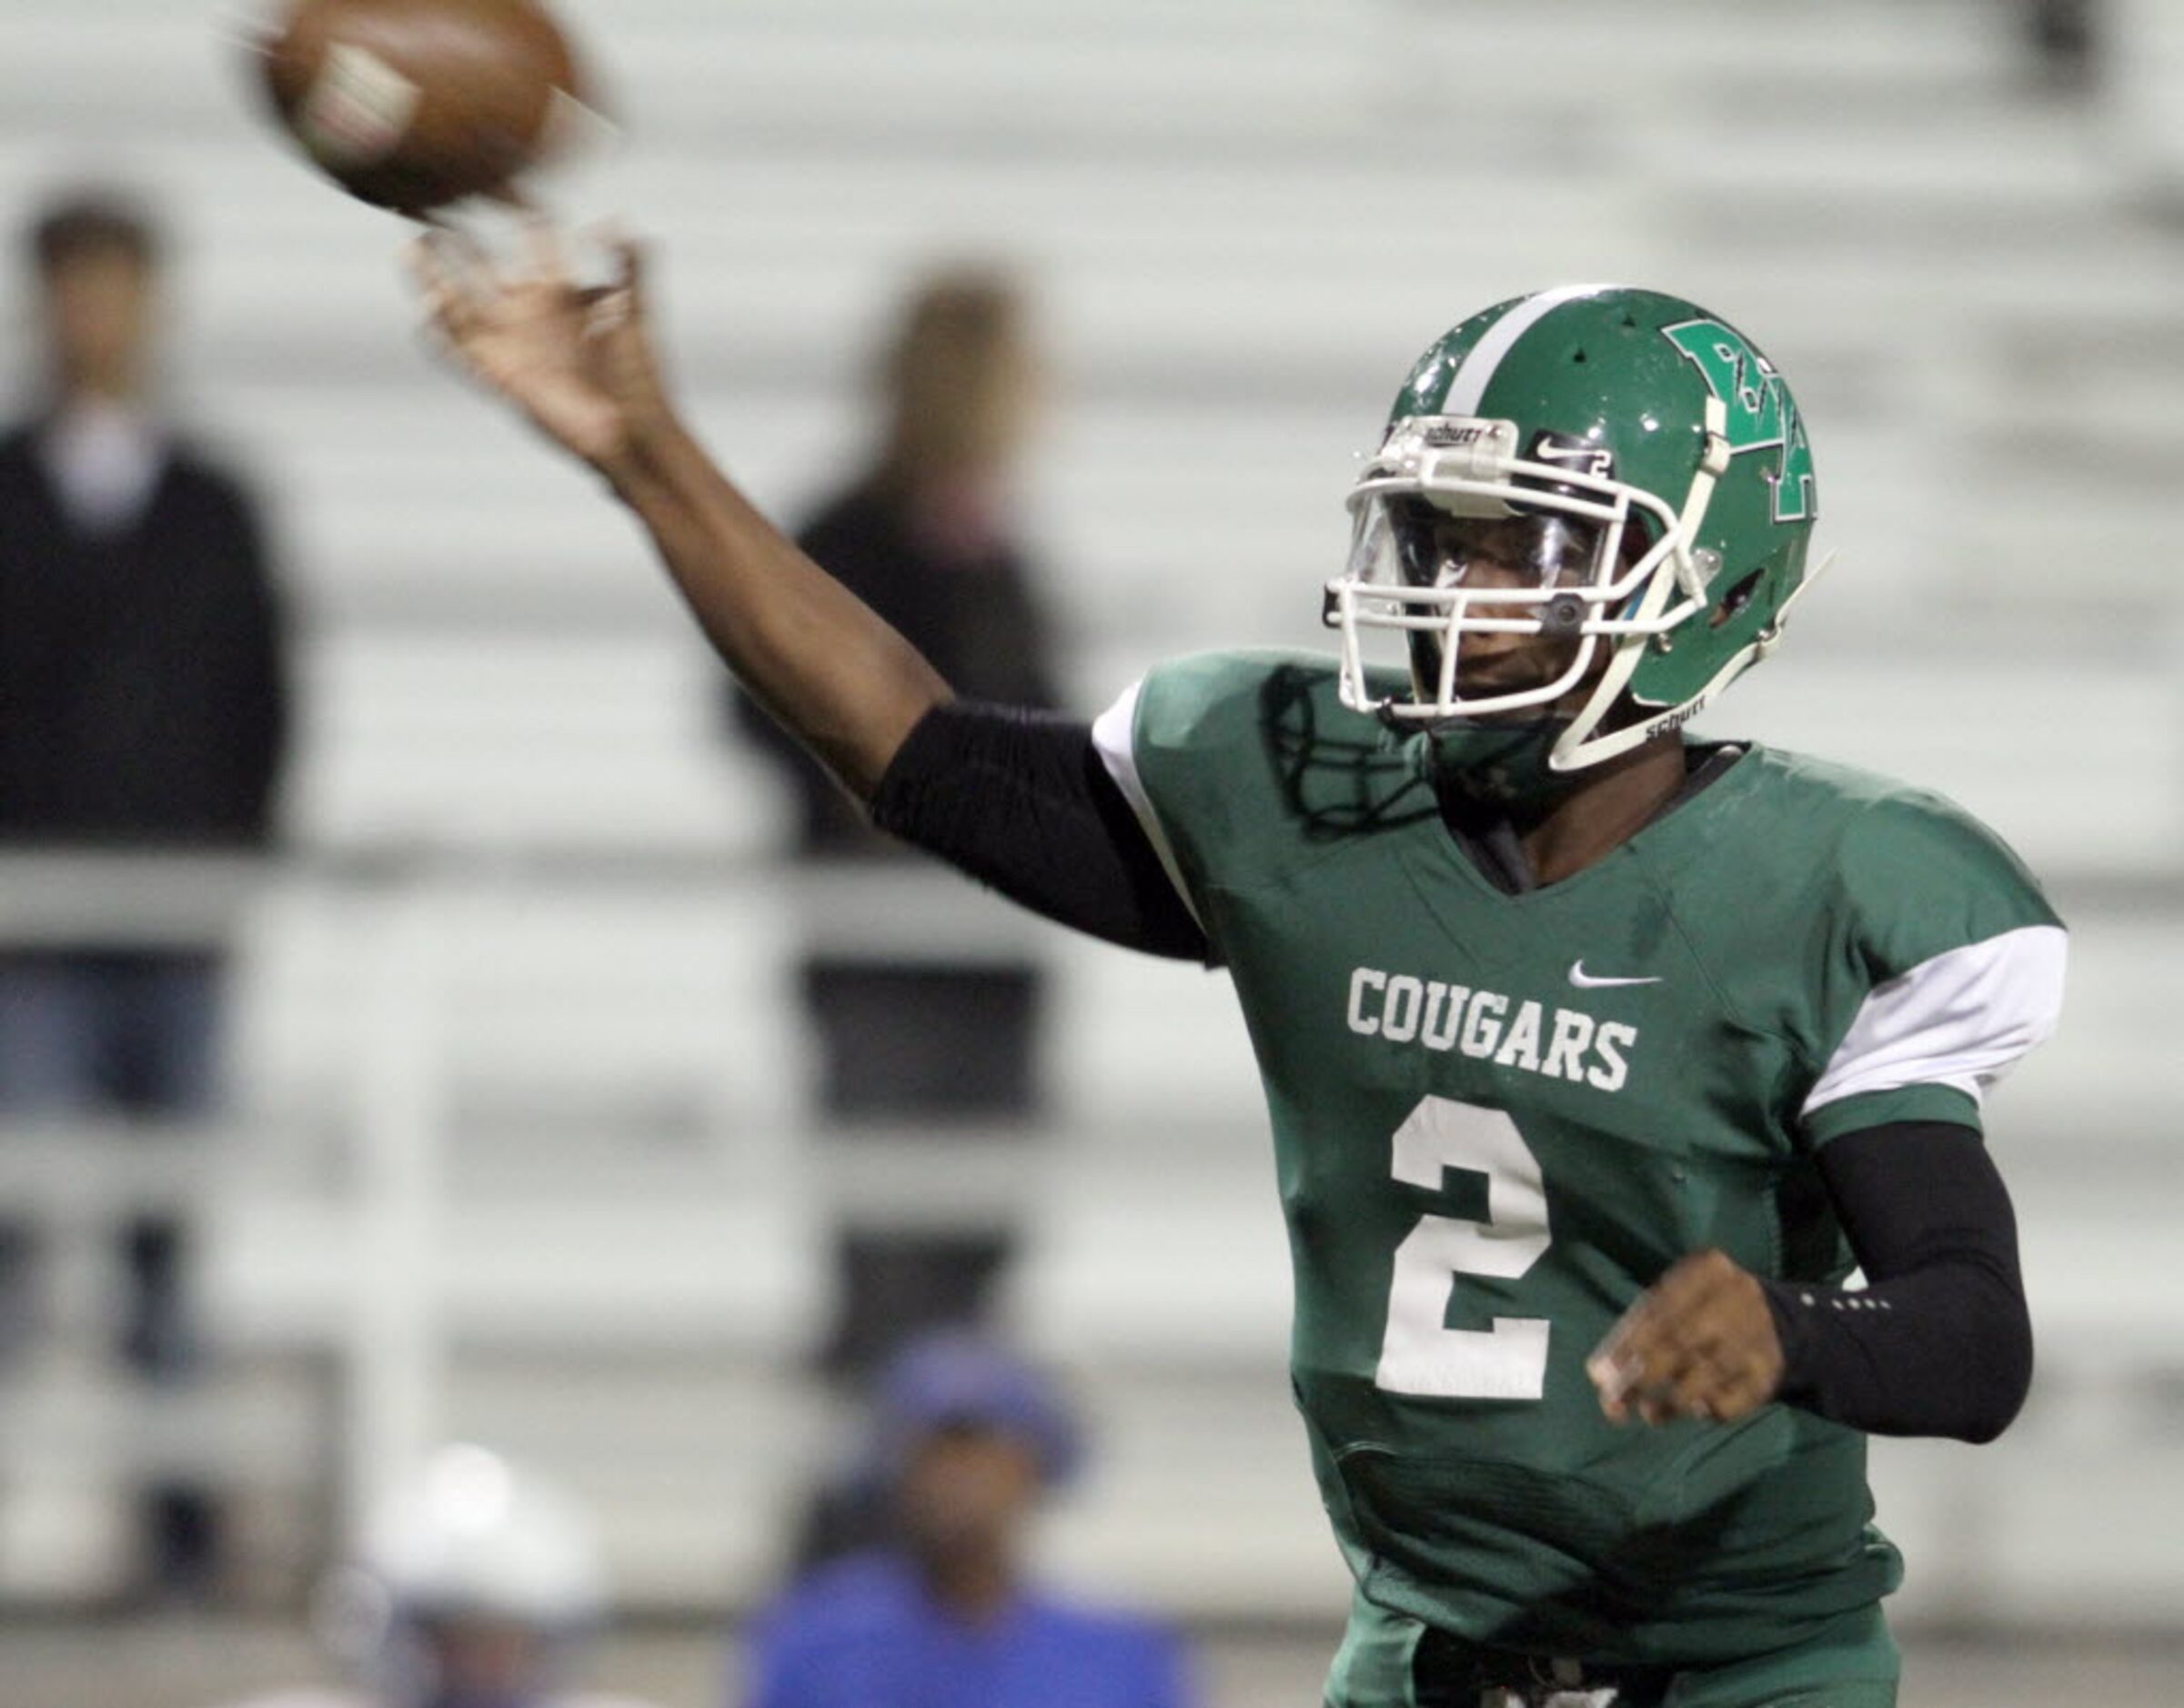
{"x": 1478, "y": 368}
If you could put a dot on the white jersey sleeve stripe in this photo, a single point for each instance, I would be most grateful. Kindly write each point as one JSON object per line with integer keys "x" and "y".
{"x": 1114, "y": 735}
{"x": 1962, "y": 1019}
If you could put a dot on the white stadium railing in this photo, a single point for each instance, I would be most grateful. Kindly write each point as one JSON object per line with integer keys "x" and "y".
{"x": 461, "y": 1247}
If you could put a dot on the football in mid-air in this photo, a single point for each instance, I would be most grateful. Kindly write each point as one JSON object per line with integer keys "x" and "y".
{"x": 412, "y": 104}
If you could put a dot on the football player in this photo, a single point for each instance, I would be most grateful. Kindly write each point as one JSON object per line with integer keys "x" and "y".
{"x": 1596, "y": 1056}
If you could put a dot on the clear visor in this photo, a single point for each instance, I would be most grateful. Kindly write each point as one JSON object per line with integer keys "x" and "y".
{"x": 1434, "y": 548}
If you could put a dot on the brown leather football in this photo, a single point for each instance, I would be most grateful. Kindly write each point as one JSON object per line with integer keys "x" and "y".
{"x": 414, "y": 104}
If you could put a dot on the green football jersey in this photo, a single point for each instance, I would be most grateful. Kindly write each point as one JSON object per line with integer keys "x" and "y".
{"x": 1498, "y": 1118}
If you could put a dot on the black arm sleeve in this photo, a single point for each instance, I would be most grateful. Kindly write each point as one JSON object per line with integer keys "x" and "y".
{"x": 1939, "y": 1343}
{"x": 1023, "y": 801}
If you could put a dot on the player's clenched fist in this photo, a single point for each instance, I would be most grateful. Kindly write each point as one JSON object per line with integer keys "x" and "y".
{"x": 1699, "y": 1343}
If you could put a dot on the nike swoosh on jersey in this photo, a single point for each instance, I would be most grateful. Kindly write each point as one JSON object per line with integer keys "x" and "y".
{"x": 1585, "y": 980}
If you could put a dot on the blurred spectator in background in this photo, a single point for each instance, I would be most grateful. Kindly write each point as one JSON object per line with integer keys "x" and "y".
{"x": 141, "y": 707}
{"x": 2066, "y": 39}
{"x": 965, "y": 1442}
{"x": 927, "y": 537}
{"x": 478, "y": 1587}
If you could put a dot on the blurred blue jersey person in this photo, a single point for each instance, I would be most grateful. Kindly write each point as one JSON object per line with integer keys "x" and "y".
{"x": 966, "y": 1441}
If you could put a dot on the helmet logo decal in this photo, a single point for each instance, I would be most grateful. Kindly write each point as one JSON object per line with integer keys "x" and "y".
{"x": 1580, "y": 455}
{"x": 1761, "y": 413}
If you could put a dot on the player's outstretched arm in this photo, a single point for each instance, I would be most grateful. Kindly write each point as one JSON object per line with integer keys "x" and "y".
{"x": 580, "y": 363}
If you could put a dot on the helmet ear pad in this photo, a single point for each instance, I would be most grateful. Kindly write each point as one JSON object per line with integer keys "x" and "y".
{"x": 1744, "y": 607}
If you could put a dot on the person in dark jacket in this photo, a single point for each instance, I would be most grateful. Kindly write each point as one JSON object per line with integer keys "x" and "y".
{"x": 143, "y": 706}
{"x": 925, "y": 533}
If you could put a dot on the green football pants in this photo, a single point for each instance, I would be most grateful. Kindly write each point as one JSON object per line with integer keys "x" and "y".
{"x": 1390, "y": 1661}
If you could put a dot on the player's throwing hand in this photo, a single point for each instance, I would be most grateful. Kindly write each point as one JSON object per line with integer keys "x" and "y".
{"x": 576, "y": 360}
{"x": 1699, "y": 1343}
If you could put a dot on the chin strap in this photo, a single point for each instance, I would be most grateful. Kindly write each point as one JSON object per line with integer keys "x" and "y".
{"x": 1498, "y": 765}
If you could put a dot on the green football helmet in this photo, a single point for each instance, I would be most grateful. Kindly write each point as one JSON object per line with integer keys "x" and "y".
{"x": 1642, "y": 462}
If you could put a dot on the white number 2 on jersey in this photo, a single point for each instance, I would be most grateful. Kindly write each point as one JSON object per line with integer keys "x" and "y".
{"x": 1419, "y": 1355}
